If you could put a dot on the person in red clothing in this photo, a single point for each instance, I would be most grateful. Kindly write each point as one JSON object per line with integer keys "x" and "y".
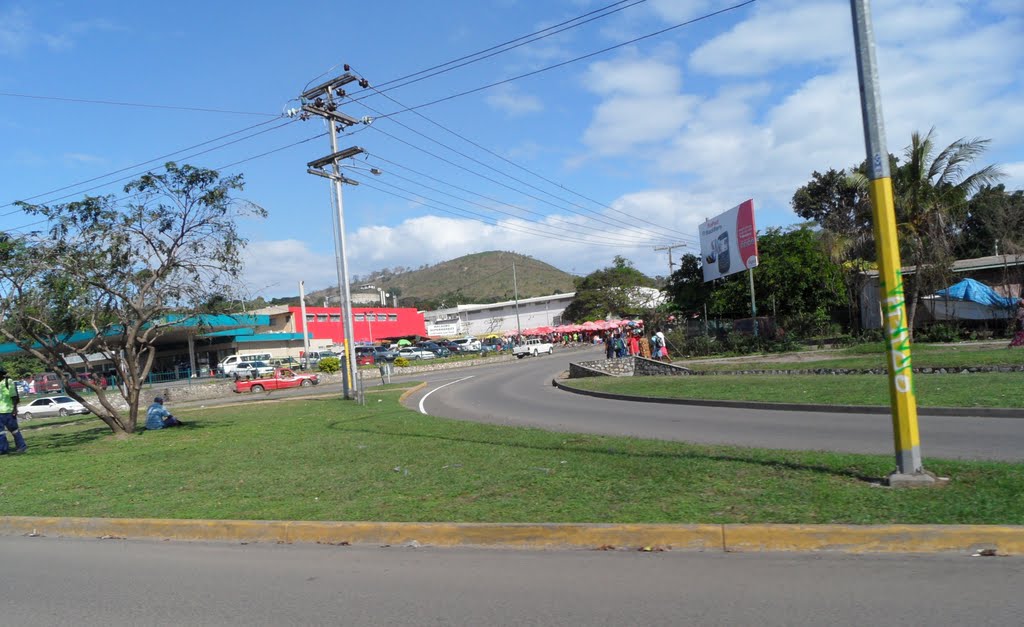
{"x": 634, "y": 345}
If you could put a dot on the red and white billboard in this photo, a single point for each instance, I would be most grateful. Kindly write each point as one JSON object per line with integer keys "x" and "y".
{"x": 728, "y": 242}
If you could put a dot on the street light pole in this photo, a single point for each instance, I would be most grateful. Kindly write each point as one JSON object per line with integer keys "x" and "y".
{"x": 903, "y": 403}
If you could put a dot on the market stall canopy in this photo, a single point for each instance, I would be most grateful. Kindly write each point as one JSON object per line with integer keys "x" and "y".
{"x": 404, "y": 342}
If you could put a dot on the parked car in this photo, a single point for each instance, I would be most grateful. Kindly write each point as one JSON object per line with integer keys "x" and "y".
{"x": 468, "y": 344}
{"x": 47, "y": 382}
{"x": 384, "y": 353}
{"x": 286, "y": 362}
{"x": 413, "y": 353}
{"x": 253, "y": 369}
{"x": 79, "y": 382}
{"x": 365, "y": 356}
{"x": 51, "y": 406}
{"x": 434, "y": 347}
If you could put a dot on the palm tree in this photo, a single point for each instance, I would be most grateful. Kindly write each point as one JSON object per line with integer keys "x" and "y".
{"x": 931, "y": 193}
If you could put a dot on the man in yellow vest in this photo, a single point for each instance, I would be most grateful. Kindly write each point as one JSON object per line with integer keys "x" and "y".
{"x": 9, "y": 414}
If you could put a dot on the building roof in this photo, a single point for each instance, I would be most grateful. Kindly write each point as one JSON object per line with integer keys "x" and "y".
{"x": 504, "y": 303}
{"x": 970, "y": 265}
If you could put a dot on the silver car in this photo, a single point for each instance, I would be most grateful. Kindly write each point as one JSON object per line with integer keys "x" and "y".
{"x": 412, "y": 352}
{"x": 51, "y": 406}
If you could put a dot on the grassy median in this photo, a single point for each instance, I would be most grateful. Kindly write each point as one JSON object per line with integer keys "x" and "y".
{"x": 328, "y": 459}
{"x": 994, "y": 389}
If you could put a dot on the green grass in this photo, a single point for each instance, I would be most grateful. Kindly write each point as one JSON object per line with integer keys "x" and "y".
{"x": 996, "y": 389}
{"x": 860, "y": 357}
{"x": 328, "y": 459}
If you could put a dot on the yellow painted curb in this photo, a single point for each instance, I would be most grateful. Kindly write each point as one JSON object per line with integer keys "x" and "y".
{"x": 1006, "y": 540}
{"x": 410, "y": 392}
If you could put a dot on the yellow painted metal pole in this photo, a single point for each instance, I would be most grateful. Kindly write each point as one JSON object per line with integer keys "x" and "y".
{"x": 894, "y": 309}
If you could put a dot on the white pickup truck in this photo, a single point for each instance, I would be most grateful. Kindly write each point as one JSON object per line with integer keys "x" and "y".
{"x": 532, "y": 346}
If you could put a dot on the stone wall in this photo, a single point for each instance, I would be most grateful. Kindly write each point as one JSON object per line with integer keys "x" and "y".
{"x": 625, "y": 367}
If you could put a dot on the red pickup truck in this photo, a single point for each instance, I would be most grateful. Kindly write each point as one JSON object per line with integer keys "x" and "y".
{"x": 282, "y": 378}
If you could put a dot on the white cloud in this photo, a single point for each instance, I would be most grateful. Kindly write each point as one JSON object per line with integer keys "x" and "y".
{"x": 15, "y": 31}
{"x": 779, "y": 34}
{"x": 643, "y": 104}
{"x": 274, "y": 268}
{"x": 18, "y": 33}
{"x": 512, "y": 101}
{"x": 81, "y": 158}
{"x": 1014, "y": 178}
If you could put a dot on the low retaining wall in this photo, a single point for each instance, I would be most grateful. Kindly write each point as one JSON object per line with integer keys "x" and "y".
{"x": 840, "y": 371}
{"x": 625, "y": 367}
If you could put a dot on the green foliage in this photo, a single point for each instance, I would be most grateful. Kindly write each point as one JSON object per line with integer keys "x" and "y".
{"x": 330, "y": 365}
{"x": 995, "y": 219}
{"x": 940, "y": 332}
{"x": 401, "y": 362}
{"x": 686, "y": 286}
{"x": 19, "y": 365}
{"x": 113, "y": 274}
{"x": 611, "y": 290}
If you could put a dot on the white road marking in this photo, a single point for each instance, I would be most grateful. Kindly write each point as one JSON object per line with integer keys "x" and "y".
{"x": 424, "y": 411}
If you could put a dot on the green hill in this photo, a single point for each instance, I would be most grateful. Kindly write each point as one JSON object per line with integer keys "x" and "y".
{"x": 477, "y": 278}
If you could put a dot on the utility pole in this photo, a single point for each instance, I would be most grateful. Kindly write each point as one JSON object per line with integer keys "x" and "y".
{"x": 305, "y": 330}
{"x": 320, "y": 101}
{"x": 669, "y": 249}
{"x": 515, "y": 292}
{"x": 903, "y": 403}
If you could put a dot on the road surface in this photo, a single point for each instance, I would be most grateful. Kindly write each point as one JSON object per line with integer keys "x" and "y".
{"x": 84, "y": 582}
{"x": 520, "y": 393}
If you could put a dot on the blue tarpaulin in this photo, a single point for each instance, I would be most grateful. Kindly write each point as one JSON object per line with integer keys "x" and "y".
{"x": 977, "y": 292}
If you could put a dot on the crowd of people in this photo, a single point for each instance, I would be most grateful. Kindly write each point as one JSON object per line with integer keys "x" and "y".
{"x": 635, "y": 343}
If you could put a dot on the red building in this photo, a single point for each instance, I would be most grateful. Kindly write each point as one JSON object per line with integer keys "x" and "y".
{"x": 370, "y": 324}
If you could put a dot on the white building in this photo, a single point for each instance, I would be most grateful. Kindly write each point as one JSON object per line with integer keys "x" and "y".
{"x": 481, "y": 320}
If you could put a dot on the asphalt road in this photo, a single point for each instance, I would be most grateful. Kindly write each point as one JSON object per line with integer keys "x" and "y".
{"x": 520, "y": 393}
{"x": 84, "y": 582}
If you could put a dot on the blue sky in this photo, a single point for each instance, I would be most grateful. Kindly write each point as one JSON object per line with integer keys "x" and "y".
{"x": 638, "y": 144}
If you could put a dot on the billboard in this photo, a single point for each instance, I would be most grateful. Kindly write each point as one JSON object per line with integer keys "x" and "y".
{"x": 728, "y": 242}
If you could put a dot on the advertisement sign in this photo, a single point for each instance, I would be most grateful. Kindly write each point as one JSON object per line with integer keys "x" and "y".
{"x": 728, "y": 242}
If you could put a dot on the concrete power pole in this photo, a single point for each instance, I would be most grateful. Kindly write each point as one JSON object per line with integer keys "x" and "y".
{"x": 320, "y": 101}
{"x": 669, "y": 249}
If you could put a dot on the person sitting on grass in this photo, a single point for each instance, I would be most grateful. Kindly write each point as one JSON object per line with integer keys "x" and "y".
{"x": 157, "y": 416}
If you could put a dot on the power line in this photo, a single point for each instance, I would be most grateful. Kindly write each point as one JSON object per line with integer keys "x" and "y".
{"x": 600, "y": 217}
{"x": 573, "y": 60}
{"x": 223, "y": 167}
{"x": 601, "y": 234}
{"x": 457, "y": 211}
{"x": 136, "y": 165}
{"x": 485, "y": 177}
{"x": 501, "y": 48}
{"x": 136, "y": 104}
{"x": 125, "y": 178}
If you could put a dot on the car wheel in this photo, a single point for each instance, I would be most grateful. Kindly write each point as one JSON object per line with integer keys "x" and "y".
{"x": 257, "y": 388}
{"x": 306, "y": 383}
{"x": 535, "y": 352}
{"x": 63, "y": 412}
{"x": 551, "y": 351}
{"x": 520, "y": 355}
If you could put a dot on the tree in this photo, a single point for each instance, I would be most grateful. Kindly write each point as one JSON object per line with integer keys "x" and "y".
{"x": 838, "y": 201}
{"x": 931, "y": 196}
{"x": 612, "y": 290}
{"x": 686, "y": 286}
{"x": 109, "y": 277}
{"x": 994, "y": 223}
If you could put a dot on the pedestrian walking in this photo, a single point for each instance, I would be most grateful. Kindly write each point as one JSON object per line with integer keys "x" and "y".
{"x": 634, "y": 345}
{"x": 9, "y": 414}
{"x": 1018, "y": 337}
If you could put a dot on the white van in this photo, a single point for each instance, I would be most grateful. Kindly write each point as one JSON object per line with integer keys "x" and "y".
{"x": 227, "y": 367}
{"x": 316, "y": 355}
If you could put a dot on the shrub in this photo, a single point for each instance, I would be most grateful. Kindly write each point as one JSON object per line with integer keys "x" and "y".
{"x": 401, "y": 362}
{"x": 329, "y": 365}
{"x": 939, "y": 332}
